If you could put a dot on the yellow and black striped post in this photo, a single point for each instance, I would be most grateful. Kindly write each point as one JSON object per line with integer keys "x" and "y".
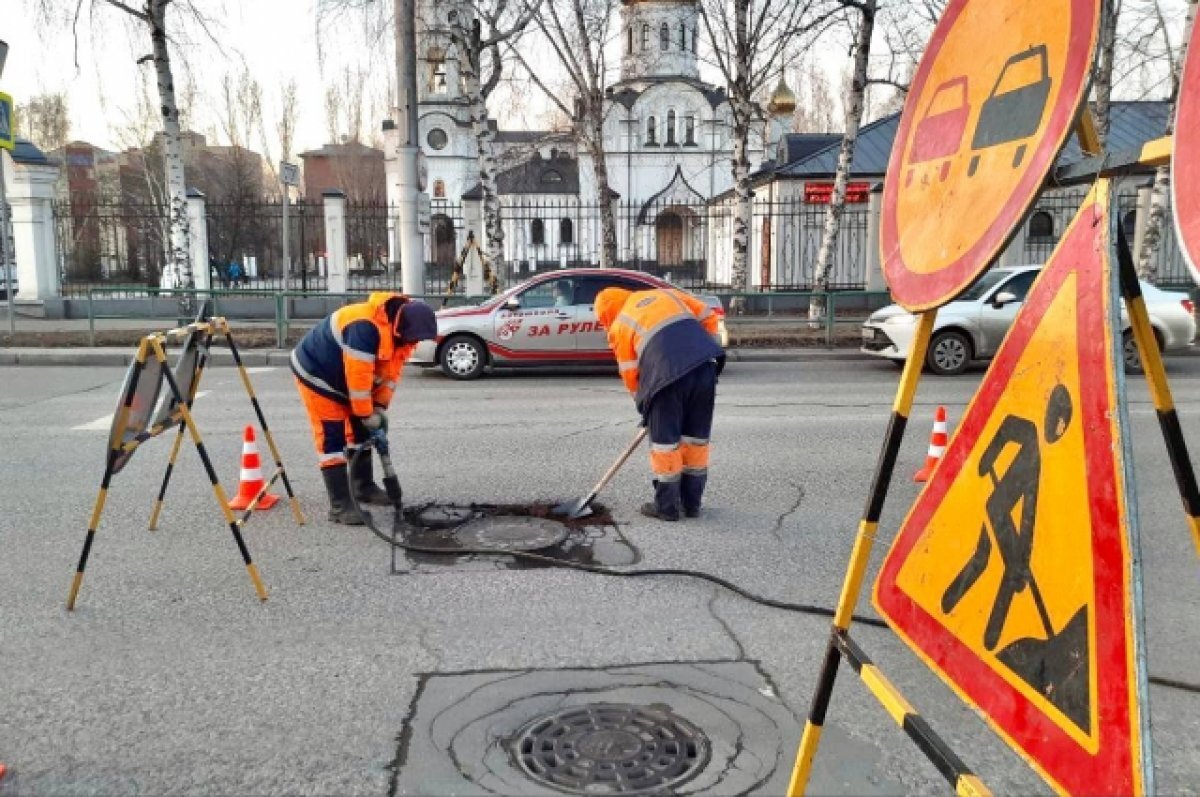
{"x": 1160, "y": 390}
{"x": 860, "y": 556}
{"x": 114, "y": 448}
{"x": 218, "y": 490}
{"x": 262, "y": 422}
{"x": 956, "y": 773}
{"x": 177, "y": 444}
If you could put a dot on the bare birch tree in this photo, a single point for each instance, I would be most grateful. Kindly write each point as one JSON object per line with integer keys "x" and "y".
{"x": 751, "y": 43}
{"x": 578, "y": 33}
{"x": 44, "y": 120}
{"x": 1170, "y": 50}
{"x": 864, "y": 32}
{"x": 476, "y": 42}
{"x": 151, "y": 17}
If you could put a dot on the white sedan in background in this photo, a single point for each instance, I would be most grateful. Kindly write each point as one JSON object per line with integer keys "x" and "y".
{"x": 548, "y": 320}
{"x": 973, "y": 326}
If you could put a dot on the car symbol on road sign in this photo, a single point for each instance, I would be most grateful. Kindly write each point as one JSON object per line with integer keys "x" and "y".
{"x": 1015, "y": 113}
{"x": 940, "y": 132}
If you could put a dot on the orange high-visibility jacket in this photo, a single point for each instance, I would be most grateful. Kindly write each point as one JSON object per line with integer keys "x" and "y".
{"x": 351, "y": 357}
{"x": 657, "y": 335}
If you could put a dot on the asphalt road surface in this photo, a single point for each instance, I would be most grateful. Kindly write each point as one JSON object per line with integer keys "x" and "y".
{"x": 172, "y": 678}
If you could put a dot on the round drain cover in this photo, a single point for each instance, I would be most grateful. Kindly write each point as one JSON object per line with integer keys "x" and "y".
{"x": 611, "y": 748}
{"x": 511, "y": 533}
{"x": 443, "y": 516}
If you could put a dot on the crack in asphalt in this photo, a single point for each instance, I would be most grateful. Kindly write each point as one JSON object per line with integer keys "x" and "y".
{"x": 80, "y": 392}
{"x": 777, "y": 530}
{"x": 588, "y": 429}
{"x": 712, "y": 610}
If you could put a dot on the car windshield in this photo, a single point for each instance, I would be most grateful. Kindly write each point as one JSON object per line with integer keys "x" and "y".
{"x": 985, "y": 284}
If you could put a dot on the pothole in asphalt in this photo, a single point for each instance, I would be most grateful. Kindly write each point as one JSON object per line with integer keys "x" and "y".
{"x": 459, "y": 530}
{"x": 670, "y": 728}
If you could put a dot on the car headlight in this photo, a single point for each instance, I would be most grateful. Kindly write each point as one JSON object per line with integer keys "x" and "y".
{"x": 907, "y": 319}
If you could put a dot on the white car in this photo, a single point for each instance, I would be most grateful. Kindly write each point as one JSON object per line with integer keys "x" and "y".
{"x": 548, "y": 320}
{"x": 973, "y": 326}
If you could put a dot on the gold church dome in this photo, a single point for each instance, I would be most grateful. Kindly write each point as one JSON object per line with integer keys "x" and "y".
{"x": 783, "y": 100}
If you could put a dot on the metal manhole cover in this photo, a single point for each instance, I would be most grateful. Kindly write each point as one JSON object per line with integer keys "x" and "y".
{"x": 611, "y": 748}
{"x": 510, "y": 533}
{"x": 443, "y": 516}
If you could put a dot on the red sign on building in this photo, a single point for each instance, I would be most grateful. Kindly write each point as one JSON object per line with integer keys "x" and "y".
{"x": 822, "y": 193}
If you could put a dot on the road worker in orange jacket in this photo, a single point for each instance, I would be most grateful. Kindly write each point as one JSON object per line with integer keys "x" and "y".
{"x": 347, "y": 368}
{"x": 665, "y": 343}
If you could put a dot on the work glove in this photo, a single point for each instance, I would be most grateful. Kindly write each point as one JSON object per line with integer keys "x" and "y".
{"x": 376, "y": 421}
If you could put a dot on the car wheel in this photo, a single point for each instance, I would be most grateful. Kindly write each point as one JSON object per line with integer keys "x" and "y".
{"x": 949, "y": 353}
{"x": 463, "y": 357}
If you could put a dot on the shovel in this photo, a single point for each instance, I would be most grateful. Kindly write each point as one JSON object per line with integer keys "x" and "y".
{"x": 582, "y": 507}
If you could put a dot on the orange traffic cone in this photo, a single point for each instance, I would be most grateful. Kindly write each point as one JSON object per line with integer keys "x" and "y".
{"x": 937, "y": 446}
{"x": 251, "y": 476}
{"x": 3, "y": 770}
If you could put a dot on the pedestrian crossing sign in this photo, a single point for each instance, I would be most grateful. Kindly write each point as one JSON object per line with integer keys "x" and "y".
{"x": 7, "y": 132}
{"x": 1012, "y": 576}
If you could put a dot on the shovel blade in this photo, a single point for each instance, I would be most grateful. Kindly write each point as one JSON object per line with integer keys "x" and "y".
{"x": 573, "y": 510}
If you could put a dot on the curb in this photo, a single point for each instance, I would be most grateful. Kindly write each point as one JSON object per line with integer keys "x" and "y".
{"x": 258, "y": 358}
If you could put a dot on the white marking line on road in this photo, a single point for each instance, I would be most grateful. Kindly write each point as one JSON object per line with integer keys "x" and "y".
{"x": 260, "y": 369}
{"x": 103, "y": 423}
{"x": 98, "y": 425}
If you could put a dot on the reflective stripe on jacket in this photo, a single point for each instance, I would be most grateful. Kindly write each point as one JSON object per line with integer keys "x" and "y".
{"x": 351, "y": 356}
{"x": 659, "y": 336}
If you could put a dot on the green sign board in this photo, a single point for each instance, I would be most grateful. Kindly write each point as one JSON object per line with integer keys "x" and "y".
{"x": 6, "y": 122}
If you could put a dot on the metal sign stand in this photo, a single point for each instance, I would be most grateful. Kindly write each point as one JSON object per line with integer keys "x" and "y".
{"x": 181, "y": 415}
{"x": 957, "y": 774}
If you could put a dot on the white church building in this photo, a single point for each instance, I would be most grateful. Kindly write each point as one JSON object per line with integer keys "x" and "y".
{"x": 666, "y": 135}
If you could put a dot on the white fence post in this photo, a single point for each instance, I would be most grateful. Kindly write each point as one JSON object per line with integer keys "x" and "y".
{"x": 335, "y": 241}
{"x": 30, "y": 184}
{"x": 875, "y": 280}
{"x": 198, "y": 233}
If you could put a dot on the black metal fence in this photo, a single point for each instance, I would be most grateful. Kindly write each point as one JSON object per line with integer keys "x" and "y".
{"x": 686, "y": 240}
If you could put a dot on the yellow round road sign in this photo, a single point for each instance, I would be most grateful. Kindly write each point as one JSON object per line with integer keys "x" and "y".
{"x": 993, "y": 101}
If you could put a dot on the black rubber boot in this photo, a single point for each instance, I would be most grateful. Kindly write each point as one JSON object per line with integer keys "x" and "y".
{"x": 362, "y": 481}
{"x": 337, "y": 484}
{"x": 666, "y": 502}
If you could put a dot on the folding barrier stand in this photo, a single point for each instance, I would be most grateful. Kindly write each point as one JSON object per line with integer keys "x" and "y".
{"x": 135, "y": 423}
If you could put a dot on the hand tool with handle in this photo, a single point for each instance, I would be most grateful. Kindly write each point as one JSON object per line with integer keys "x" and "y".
{"x": 582, "y": 507}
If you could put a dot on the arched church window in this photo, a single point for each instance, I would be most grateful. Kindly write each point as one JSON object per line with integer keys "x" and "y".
{"x": 670, "y": 128}
{"x": 629, "y": 40}
{"x": 694, "y": 38}
{"x": 689, "y": 130}
{"x": 566, "y": 231}
{"x": 683, "y": 37}
{"x": 646, "y": 36}
{"x": 537, "y": 232}
{"x": 1041, "y": 225}
{"x": 664, "y": 36}
{"x": 652, "y": 132}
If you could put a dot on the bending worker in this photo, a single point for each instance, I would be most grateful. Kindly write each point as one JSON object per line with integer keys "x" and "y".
{"x": 347, "y": 368}
{"x": 665, "y": 342}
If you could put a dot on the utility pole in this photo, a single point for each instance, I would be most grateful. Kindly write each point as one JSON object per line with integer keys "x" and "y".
{"x": 412, "y": 254}
{"x": 6, "y": 113}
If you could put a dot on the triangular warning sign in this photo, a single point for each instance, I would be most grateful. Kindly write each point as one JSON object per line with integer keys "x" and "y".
{"x": 1011, "y": 576}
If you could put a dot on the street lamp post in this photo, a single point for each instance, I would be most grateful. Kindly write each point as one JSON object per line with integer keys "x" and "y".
{"x": 4, "y": 257}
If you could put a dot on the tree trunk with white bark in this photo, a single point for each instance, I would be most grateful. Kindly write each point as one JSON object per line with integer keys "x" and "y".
{"x": 1102, "y": 75}
{"x": 743, "y": 215}
{"x": 493, "y": 221}
{"x": 837, "y": 202}
{"x": 178, "y": 270}
{"x": 1147, "y": 267}
{"x": 594, "y": 119}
